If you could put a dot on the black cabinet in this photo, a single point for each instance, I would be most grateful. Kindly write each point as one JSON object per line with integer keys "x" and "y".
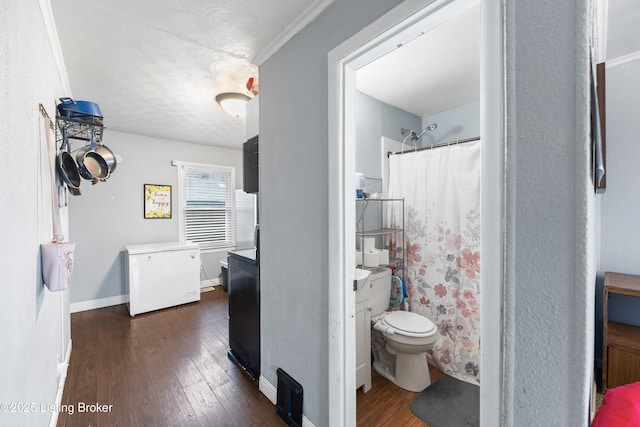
{"x": 250, "y": 165}
{"x": 244, "y": 310}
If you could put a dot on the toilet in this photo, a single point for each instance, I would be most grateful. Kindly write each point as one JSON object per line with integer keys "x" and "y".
{"x": 399, "y": 339}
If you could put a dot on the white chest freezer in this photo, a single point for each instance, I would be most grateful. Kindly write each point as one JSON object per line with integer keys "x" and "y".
{"x": 160, "y": 275}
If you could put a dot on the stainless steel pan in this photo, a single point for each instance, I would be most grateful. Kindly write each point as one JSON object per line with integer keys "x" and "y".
{"x": 96, "y": 161}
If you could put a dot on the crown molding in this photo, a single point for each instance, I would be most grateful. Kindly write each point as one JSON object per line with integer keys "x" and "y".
{"x": 623, "y": 59}
{"x": 292, "y": 29}
{"x": 54, "y": 41}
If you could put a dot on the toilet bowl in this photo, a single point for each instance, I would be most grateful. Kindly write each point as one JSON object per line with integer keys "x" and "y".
{"x": 399, "y": 339}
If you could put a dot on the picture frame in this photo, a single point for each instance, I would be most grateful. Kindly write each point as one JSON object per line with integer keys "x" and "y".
{"x": 600, "y": 172}
{"x": 157, "y": 201}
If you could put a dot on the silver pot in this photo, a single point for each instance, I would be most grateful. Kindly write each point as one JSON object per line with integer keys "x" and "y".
{"x": 97, "y": 163}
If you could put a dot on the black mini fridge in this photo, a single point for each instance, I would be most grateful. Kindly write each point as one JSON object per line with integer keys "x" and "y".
{"x": 244, "y": 310}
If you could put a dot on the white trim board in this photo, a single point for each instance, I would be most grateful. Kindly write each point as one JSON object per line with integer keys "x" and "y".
{"x": 62, "y": 378}
{"x": 271, "y": 393}
{"x": 268, "y": 389}
{"x": 292, "y": 29}
{"x": 98, "y": 303}
{"x": 54, "y": 41}
{"x": 209, "y": 282}
{"x": 623, "y": 59}
{"x": 382, "y": 36}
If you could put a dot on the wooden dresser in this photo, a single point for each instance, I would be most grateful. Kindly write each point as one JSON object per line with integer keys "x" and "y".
{"x": 621, "y": 343}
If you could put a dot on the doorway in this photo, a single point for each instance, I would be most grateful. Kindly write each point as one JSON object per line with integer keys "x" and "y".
{"x": 404, "y": 23}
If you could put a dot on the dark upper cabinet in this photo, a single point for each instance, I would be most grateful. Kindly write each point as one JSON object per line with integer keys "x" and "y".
{"x": 250, "y": 165}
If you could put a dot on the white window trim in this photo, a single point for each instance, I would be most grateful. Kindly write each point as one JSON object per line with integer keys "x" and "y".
{"x": 180, "y": 166}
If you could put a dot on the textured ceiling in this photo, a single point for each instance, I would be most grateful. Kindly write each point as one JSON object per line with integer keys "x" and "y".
{"x": 155, "y": 67}
{"x": 435, "y": 72}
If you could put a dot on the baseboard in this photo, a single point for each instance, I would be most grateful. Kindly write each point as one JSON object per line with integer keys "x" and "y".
{"x": 209, "y": 282}
{"x": 271, "y": 393}
{"x": 268, "y": 389}
{"x": 98, "y": 303}
{"x": 62, "y": 378}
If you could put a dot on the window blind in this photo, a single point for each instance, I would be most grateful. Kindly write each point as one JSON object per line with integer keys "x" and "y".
{"x": 207, "y": 205}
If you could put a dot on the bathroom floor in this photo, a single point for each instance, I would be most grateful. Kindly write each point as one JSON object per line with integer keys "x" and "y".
{"x": 387, "y": 404}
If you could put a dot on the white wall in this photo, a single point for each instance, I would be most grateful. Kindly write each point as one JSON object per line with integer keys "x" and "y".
{"x": 109, "y": 215}
{"x": 35, "y": 321}
{"x": 293, "y": 197}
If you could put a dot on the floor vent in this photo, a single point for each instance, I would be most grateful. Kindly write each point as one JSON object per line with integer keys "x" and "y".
{"x": 289, "y": 401}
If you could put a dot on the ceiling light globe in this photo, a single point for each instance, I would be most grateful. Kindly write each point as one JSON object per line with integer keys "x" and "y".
{"x": 234, "y": 104}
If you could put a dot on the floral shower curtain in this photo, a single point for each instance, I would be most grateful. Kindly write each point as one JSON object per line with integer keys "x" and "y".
{"x": 441, "y": 189}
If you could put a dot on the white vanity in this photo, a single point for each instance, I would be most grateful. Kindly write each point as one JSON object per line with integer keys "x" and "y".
{"x": 363, "y": 330}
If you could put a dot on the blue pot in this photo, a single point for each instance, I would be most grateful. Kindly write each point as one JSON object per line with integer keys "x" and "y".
{"x": 71, "y": 108}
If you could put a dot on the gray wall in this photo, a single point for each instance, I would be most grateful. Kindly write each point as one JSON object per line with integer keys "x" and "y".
{"x": 35, "y": 321}
{"x": 109, "y": 215}
{"x": 620, "y": 204}
{"x": 549, "y": 265}
{"x": 549, "y": 245}
{"x": 457, "y": 123}
{"x": 293, "y": 174}
{"x": 375, "y": 119}
{"x": 549, "y": 284}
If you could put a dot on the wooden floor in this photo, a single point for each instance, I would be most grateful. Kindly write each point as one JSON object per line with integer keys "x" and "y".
{"x": 170, "y": 368}
{"x": 387, "y": 404}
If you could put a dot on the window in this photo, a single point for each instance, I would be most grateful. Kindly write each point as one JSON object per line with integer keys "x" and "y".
{"x": 205, "y": 198}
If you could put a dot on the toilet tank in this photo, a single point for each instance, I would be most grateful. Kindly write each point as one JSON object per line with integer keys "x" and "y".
{"x": 380, "y": 290}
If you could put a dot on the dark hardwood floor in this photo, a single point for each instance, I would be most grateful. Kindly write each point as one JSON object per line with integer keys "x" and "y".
{"x": 164, "y": 368}
{"x": 170, "y": 368}
{"x": 387, "y": 404}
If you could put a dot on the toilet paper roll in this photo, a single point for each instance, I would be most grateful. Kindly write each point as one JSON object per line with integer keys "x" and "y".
{"x": 371, "y": 259}
{"x": 383, "y": 256}
{"x": 358, "y": 257}
{"x": 369, "y": 244}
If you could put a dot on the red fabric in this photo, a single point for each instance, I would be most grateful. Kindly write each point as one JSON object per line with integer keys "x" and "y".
{"x": 620, "y": 407}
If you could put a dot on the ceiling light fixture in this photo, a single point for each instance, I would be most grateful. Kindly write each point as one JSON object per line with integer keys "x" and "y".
{"x": 235, "y": 104}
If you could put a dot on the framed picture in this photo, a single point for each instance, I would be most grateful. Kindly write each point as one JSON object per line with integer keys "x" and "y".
{"x": 157, "y": 201}
{"x": 600, "y": 173}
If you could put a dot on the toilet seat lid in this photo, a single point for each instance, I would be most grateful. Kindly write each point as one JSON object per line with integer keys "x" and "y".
{"x": 407, "y": 321}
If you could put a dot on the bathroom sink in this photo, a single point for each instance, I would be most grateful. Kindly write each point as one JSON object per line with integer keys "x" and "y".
{"x": 362, "y": 276}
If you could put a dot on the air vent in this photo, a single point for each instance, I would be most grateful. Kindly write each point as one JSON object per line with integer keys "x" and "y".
{"x": 289, "y": 402}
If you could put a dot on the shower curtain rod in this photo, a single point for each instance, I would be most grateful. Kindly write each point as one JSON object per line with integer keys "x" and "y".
{"x": 441, "y": 144}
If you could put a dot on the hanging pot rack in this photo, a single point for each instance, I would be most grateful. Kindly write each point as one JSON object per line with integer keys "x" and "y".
{"x": 81, "y": 128}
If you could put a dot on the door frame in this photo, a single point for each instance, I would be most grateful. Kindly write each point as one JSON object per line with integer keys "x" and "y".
{"x": 383, "y": 35}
